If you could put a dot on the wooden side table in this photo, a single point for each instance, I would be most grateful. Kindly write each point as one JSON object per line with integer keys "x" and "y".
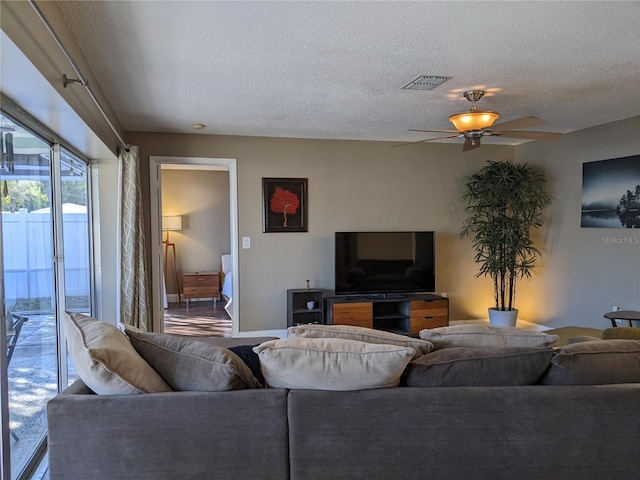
{"x": 201, "y": 285}
{"x": 627, "y": 315}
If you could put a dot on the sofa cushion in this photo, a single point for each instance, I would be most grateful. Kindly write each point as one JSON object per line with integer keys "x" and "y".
{"x": 361, "y": 334}
{"x": 460, "y": 366}
{"x": 628, "y": 333}
{"x": 473, "y": 335}
{"x": 332, "y": 363}
{"x": 105, "y": 360}
{"x": 598, "y": 362}
{"x": 188, "y": 364}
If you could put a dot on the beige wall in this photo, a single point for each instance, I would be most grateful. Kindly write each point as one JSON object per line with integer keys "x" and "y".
{"x": 352, "y": 186}
{"x": 201, "y": 197}
{"x": 584, "y": 271}
{"x": 370, "y": 186}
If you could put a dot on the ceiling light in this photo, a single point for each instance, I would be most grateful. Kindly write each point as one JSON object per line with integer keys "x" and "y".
{"x": 477, "y": 120}
{"x": 474, "y": 119}
{"x": 198, "y": 126}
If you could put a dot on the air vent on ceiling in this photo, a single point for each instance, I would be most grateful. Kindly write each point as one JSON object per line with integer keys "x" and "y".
{"x": 425, "y": 82}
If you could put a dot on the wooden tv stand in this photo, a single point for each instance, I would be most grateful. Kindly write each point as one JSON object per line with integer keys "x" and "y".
{"x": 405, "y": 314}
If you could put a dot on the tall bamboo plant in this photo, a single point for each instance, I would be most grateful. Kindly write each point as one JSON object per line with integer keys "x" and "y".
{"x": 505, "y": 201}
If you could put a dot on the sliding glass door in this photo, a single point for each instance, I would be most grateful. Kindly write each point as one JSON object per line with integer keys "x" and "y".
{"x": 46, "y": 270}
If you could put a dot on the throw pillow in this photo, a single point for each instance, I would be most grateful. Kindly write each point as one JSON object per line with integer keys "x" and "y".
{"x": 566, "y": 333}
{"x": 472, "y": 335}
{"x": 598, "y": 362}
{"x": 460, "y": 366}
{"x": 628, "y": 333}
{"x": 251, "y": 359}
{"x": 105, "y": 360}
{"x": 331, "y": 363}
{"x": 580, "y": 338}
{"x": 361, "y": 334}
{"x": 188, "y": 364}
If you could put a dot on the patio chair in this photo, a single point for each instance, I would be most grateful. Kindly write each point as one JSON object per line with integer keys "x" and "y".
{"x": 13, "y": 333}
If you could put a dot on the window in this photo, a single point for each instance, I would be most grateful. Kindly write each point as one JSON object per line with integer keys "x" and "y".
{"x": 46, "y": 266}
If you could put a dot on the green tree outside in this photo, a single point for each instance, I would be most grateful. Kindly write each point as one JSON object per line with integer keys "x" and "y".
{"x": 34, "y": 194}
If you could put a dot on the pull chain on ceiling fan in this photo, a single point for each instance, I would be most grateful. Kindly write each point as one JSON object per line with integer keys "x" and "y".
{"x": 475, "y": 124}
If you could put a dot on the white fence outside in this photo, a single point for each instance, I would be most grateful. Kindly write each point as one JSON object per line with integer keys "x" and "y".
{"x": 28, "y": 256}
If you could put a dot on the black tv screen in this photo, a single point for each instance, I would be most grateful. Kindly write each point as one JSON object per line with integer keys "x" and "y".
{"x": 384, "y": 262}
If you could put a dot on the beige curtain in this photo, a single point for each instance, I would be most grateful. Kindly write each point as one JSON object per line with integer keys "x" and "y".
{"x": 134, "y": 292}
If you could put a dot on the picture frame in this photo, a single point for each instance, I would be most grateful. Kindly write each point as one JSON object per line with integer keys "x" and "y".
{"x": 611, "y": 193}
{"x": 284, "y": 205}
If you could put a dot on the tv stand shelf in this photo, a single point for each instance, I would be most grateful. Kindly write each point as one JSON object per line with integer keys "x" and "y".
{"x": 405, "y": 314}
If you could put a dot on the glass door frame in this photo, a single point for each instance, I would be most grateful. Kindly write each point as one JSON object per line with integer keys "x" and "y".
{"x": 59, "y": 290}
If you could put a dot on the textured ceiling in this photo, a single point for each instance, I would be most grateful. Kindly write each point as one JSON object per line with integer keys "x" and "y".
{"x": 335, "y": 69}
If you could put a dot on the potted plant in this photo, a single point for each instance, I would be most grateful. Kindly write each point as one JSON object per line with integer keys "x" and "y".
{"x": 504, "y": 201}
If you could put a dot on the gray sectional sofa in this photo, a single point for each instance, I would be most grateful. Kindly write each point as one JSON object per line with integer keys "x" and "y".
{"x": 520, "y": 427}
{"x": 521, "y": 432}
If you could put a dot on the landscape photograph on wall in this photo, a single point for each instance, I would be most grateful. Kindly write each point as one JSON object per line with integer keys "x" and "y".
{"x": 611, "y": 193}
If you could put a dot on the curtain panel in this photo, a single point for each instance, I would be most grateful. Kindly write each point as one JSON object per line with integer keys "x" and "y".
{"x": 134, "y": 291}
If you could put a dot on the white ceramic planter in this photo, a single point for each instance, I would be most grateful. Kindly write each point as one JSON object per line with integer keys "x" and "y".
{"x": 503, "y": 318}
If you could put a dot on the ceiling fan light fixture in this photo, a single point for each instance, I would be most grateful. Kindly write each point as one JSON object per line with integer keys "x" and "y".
{"x": 477, "y": 120}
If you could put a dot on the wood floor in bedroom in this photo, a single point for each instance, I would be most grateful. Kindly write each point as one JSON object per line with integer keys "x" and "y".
{"x": 205, "y": 318}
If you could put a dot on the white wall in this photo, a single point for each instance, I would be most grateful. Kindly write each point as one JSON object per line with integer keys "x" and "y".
{"x": 105, "y": 225}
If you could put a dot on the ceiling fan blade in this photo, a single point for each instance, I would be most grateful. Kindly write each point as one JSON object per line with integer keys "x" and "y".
{"x": 434, "y": 131}
{"x": 470, "y": 144}
{"x": 531, "y": 135}
{"x": 423, "y": 141}
{"x": 524, "y": 122}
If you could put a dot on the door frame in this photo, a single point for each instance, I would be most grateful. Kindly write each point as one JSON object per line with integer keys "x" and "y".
{"x": 157, "y": 293}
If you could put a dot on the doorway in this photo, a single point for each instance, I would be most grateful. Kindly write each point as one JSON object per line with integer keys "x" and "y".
{"x": 157, "y": 165}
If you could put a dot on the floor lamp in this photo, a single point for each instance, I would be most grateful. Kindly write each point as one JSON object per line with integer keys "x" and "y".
{"x": 171, "y": 223}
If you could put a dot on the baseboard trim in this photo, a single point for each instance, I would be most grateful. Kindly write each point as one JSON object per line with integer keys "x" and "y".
{"x": 264, "y": 333}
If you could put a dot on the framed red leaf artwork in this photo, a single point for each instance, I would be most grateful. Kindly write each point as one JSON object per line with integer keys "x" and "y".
{"x": 284, "y": 204}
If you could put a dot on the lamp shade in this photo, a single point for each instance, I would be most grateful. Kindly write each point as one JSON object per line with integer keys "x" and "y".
{"x": 477, "y": 120}
{"x": 172, "y": 222}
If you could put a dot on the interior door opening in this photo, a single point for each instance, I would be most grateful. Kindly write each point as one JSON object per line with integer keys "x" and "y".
{"x": 199, "y": 232}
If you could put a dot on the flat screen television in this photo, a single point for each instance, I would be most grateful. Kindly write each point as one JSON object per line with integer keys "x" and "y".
{"x": 377, "y": 263}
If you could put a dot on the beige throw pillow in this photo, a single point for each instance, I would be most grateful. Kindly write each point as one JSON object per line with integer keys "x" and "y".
{"x": 361, "y": 334}
{"x": 189, "y": 364}
{"x": 473, "y": 335}
{"x": 331, "y": 364}
{"x": 105, "y": 360}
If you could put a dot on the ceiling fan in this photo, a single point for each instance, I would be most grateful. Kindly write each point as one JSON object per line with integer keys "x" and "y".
{"x": 475, "y": 124}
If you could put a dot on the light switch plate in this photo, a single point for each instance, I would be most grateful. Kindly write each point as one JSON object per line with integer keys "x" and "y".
{"x": 246, "y": 242}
